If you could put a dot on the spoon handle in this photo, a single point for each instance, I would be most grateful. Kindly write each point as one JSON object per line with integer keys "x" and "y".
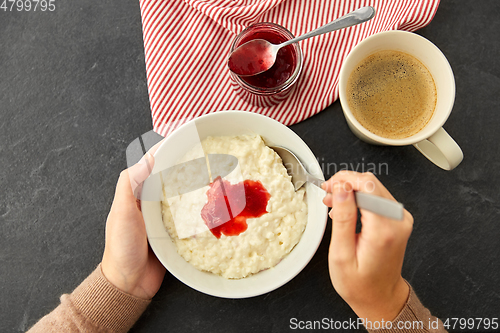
{"x": 356, "y": 17}
{"x": 381, "y": 206}
{"x": 373, "y": 203}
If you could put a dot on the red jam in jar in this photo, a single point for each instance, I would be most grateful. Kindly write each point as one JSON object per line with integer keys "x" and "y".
{"x": 274, "y": 85}
{"x": 283, "y": 67}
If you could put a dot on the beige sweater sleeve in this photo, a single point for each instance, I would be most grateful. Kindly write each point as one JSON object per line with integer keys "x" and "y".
{"x": 94, "y": 306}
{"x": 414, "y": 318}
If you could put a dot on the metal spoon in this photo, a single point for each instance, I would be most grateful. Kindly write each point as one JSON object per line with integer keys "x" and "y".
{"x": 370, "y": 202}
{"x": 258, "y": 55}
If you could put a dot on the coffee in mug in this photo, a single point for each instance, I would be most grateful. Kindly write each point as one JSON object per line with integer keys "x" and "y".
{"x": 396, "y": 88}
{"x": 392, "y": 94}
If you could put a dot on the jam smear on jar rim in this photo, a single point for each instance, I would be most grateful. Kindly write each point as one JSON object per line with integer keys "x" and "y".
{"x": 217, "y": 212}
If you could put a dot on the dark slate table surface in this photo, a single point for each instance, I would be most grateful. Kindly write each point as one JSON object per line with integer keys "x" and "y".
{"x": 73, "y": 95}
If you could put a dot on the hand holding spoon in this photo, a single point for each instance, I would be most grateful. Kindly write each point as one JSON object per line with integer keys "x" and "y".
{"x": 370, "y": 202}
{"x": 258, "y": 55}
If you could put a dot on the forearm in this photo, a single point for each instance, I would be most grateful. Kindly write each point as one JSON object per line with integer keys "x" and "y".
{"x": 94, "y": 306}
{"x": 414, "y": 318}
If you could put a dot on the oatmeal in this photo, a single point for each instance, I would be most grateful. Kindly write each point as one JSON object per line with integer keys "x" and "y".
{"x": 241, "y": 239}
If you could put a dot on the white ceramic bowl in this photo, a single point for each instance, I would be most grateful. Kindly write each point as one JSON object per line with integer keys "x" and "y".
{"x": 273, "y": 133}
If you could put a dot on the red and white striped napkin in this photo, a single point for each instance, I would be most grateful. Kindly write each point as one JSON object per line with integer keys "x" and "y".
{"x": 187, "y": 43}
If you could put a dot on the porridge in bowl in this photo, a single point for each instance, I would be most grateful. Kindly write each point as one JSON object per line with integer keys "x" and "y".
{"x": 242, "y": 223}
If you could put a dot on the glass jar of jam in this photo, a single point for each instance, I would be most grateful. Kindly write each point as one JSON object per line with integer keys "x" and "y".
{"x": 274, "y": 85}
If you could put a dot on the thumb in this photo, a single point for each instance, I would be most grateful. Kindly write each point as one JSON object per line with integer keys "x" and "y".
{"x": 130, "y": 183}
{"x": 139, "y": 172}
{"x": 344, "y": 215}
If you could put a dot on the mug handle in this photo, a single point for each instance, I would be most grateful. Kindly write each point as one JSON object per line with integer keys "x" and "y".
{"x": 441, "y": 150}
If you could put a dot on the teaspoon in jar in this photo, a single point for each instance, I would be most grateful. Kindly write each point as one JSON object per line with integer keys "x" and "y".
{"x": 258, "y": 55}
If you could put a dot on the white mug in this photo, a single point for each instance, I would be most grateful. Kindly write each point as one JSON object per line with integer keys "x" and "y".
{"x": 432, "y": 141}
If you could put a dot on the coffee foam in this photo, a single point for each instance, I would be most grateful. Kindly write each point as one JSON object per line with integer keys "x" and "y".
{"x": 392, "y": 94}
